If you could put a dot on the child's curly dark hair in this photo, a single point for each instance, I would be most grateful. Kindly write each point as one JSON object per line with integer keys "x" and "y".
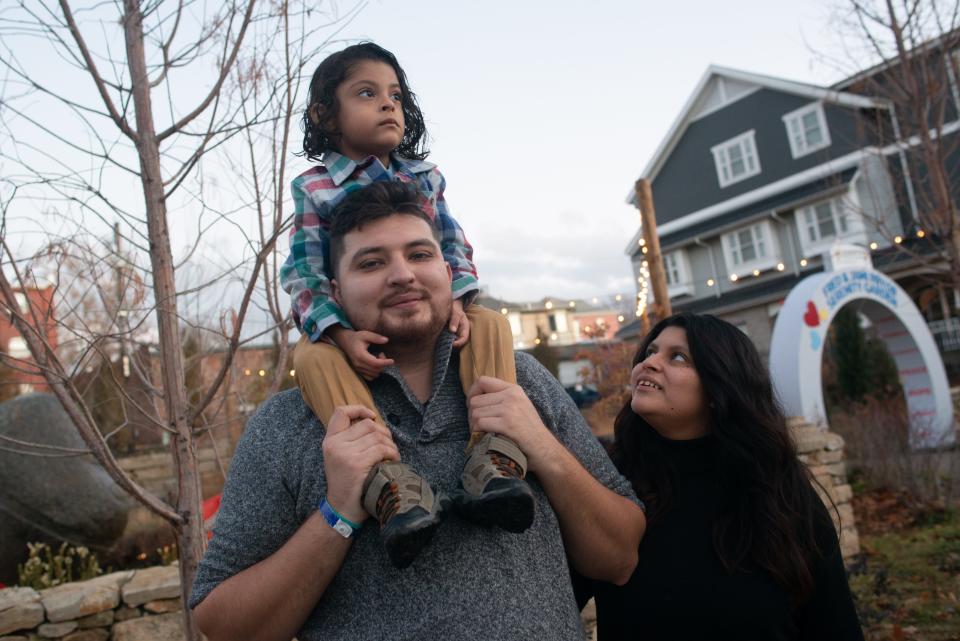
{"x": 323, "y": 105}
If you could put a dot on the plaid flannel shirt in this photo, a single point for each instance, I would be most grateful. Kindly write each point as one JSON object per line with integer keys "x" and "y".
{"x": 316, "y": 193}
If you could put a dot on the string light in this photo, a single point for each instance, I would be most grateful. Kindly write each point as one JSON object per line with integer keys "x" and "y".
{"x": 734, "y": 277}
{"x": 246, "y": 372}
{"x": 898, "y": 239}
{"x": 780, "y": 267}
{"x": 293, "y": 372}
{"x": 803, "y": 262}
{"x": 874, "y": 246}
{"x": 572, "y": 304}
{"x": 549, "y": 304}
{"x": 620, "y": 318}
{"x": 503, "y": 310}
{"x": 711, "y": 282}
{"x": 262, "y": 373}
{"x": 618, "y": 298}
{"x": 921, "y": 233}
{"x": 643, "y": 249}
{"x": 756, "y": 272}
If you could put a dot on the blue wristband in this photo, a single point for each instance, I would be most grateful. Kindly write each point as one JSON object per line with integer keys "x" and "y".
{"x": 343, "y": 526}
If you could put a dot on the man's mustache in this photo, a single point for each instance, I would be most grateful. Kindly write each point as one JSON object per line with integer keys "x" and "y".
{"x": 410, "y": 292}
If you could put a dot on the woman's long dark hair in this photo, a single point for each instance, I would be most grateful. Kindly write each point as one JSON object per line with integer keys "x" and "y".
{"x": 771, "y": 514}
{"x": 323, "y": 107}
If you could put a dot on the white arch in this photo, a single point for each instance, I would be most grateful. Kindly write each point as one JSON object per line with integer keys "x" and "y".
{"x": 797, "y": 348}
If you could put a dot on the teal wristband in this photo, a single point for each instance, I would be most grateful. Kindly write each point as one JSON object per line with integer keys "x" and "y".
{"x": 344, "y": 526}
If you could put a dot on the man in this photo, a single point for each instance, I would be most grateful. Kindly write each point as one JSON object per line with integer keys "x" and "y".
{"x": 278, "y": 567}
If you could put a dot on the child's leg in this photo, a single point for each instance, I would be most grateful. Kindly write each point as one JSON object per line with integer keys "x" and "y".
{"x": 495, "y": 492}
{"x": 327, "y": 381}
{"x": 489, "y": 352}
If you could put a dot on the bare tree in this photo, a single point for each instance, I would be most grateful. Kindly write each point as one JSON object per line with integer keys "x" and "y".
{"x": 914, "y": 45}
{"x": 127, "y": 130}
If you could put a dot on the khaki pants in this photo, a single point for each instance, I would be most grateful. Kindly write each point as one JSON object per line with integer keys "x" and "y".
{"x": 327, "y": 380}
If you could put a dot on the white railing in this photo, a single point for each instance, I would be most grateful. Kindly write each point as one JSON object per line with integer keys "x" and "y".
{"x": 946, "y": 333}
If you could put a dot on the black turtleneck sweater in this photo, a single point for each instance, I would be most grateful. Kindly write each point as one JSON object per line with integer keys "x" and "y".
{"x": 681, "y": 591}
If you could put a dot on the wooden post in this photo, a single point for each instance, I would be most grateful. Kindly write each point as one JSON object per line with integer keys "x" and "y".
{"x": 648, "y": 223}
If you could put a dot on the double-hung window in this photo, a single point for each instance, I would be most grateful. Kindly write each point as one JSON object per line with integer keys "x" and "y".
{"x": 677, "y": 269}
{"x": 747, "y": 245}
{"x": 736, "y": 159}
{"x": 750, "y": 248}
{"x": 824, "y": 222}
{"x": 807, "y": 130}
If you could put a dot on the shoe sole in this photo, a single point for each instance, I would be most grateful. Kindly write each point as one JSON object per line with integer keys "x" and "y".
{"x": 511, "y": 507}
{"x": 404, "y": 541}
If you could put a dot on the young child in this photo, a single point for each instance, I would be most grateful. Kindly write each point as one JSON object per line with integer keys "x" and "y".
{"x": 363, "y": 124}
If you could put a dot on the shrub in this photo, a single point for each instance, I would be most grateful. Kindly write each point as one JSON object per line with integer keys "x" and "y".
{"x": 46, "y": 569}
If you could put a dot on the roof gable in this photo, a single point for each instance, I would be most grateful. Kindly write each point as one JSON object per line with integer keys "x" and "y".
{"x": 720, "y": 87}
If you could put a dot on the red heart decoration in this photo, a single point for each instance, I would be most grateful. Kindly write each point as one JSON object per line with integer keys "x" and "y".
{"x": 811, "y": 318}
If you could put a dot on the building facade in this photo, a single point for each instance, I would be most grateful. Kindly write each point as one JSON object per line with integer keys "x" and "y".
{"x": 19, "y": 374}
{"x": 758, "y": 177}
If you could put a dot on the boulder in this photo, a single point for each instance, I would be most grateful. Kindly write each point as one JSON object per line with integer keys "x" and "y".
{"x": 52, "y": 499}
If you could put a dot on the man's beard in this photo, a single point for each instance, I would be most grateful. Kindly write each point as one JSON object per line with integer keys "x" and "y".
{"x": 419, "y": 328}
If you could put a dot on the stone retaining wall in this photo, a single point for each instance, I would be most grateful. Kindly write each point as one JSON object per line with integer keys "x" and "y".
{"x": 822, "y": 451}
{"x": 136, "y": 605}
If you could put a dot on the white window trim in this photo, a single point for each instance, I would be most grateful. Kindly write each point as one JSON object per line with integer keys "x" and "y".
{"x": 798, "y": 151}
{"x": 720, "y": 158}
{"x": 684, "y": 284}
{"x": 855, "y": 231}
{"x": 762, "y": 263}
{"x": 22, "y": 302}
{"x": 17, "y": 348}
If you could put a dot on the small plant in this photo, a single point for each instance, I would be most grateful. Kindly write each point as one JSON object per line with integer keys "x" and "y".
{"x": 168, "y": 554}
{"x": 45, "y": 568}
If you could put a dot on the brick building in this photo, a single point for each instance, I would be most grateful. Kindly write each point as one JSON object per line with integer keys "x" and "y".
{"x": 17, "y": 375}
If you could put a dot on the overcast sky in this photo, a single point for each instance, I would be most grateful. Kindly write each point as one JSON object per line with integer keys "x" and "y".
{"x": 543, "y": 113}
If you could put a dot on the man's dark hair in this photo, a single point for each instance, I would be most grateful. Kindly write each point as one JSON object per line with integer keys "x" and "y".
{"x": 367, "y": 204}
{"x": 323, "y": 107}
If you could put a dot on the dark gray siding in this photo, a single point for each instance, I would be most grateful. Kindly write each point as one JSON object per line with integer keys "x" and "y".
{"x": 807, "y": 192}
{"x": 688, "y": 181}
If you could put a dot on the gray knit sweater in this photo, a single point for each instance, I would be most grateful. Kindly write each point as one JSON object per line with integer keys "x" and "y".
{"x": 469, "y": 583}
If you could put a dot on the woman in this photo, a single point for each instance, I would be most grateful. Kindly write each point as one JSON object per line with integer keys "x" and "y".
{"x": 738, "y": 544}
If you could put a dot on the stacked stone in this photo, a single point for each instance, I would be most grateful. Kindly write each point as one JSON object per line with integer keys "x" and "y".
{"x": 136, "y": 605}
{"x": 822, "y": 451}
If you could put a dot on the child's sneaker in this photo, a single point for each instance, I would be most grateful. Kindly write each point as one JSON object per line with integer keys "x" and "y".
{"x": 406, "y": 508}
{"x": 494, "y": 490}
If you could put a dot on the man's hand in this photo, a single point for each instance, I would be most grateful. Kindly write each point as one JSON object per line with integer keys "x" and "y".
{"x": 354, "y": 443}
{"x": 356, "y": 346}
{"x": 503, "y": 408}
{"x": 459, "y": 324}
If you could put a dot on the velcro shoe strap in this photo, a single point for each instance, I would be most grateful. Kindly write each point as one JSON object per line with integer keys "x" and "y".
{"x": 505, "y": 446}
{"x": 380, "y": 475}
